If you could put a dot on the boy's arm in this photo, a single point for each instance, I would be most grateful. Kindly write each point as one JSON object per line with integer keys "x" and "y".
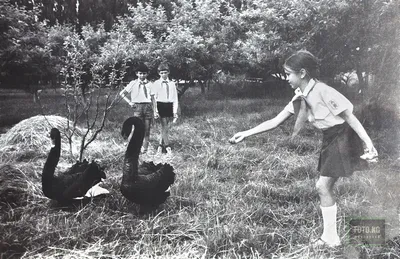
{"x": 265, "y": 126}
{"x": 153, "y": 100}
{"x": 125, "y": 92}
{"x": 175, "y": 102}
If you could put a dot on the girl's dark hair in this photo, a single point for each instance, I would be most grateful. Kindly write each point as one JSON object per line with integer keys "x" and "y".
{"x": 303, "y": 59}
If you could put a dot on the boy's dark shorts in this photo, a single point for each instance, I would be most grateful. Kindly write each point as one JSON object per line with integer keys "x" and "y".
{"x": 143, "y": 110}
{"x": 165, "y": 110}
{"x": 340, "y": 152}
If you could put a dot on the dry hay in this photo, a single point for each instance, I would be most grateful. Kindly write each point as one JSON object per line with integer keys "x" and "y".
{"x": 16, "y": 186}
{"x": 33, "y": 134}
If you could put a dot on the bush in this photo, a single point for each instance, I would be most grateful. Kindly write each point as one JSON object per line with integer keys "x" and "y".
{"x": 382, "y": 122}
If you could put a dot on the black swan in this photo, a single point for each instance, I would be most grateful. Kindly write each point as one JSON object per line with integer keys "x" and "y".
{"x": 147, "y": 184}
{"x": 72, "y": 184}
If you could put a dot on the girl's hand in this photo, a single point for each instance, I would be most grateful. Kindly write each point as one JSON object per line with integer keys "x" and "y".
{"x": 175, "y": 118}
{"x": 156, "y": 115}
{"x": 370, "y": 154}
{"x": 237, "y": 138}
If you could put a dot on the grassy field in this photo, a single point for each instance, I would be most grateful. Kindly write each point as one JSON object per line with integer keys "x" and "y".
{"x": 255, "y": 199}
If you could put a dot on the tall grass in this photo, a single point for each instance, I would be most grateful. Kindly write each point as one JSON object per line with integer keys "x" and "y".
{"x": 255, "y": 199}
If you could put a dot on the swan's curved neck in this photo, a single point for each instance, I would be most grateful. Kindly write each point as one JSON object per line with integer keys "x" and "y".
{"x": 136, "y": 141}
{"x": 52, "y": 159}
{"x": 133, "y": 149}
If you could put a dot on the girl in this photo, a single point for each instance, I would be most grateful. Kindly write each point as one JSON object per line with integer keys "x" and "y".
{"x": 331, "y": 112}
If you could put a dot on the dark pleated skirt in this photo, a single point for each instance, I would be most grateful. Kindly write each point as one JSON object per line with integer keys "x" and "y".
{"x": 340, "y": 152}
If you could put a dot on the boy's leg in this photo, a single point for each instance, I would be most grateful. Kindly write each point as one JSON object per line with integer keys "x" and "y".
{"x": 147, "y": 124}
{"x": 164, "y": 132}
{"x": 162, "y": 140}
{"x": 147, "y": 116}
{"x": 168, "y": 125}
{"x": 324, "y": 187}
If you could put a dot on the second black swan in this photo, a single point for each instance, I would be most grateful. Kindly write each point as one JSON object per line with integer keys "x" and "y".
{"x": 147, "y": 184}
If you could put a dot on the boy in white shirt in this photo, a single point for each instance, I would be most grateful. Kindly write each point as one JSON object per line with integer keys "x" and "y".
{"x": 139, "y": 96}
{"x": 166, "y": 95}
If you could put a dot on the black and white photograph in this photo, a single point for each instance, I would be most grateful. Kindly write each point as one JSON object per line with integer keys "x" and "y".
{"x": 200, "y": 129}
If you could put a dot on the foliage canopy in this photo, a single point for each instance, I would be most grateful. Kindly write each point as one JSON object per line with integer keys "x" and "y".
{"x": 201, "y": 37}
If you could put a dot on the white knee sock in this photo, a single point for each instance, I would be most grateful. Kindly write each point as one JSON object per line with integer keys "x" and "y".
{"x": 330, "y": 234}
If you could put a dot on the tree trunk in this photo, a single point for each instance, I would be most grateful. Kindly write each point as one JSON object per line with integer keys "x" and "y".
{"x": 203, "y": 87}
{"x": 361, "y": 83}
{"x": 186, "y": 86}
{"x": 83, "y": 95}
{"x": 33, "y": 89}
{"x": 35, "y": 96}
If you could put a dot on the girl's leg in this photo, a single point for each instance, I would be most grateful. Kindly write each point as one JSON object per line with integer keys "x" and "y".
{"x": 324, "y": 187}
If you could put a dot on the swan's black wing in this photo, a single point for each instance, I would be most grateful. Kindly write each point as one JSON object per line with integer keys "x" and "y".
{"x": 78, "y": 167}
{"x": 58, "y": 186}
{"x": 159, "y": 176}
{"x": 148, "y": 168}
{"x": 150, "y": 186}
{"x": 69, "y": 186}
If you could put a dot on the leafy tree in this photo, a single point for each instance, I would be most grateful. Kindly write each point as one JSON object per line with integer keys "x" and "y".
{"x": 252, "y": 37}
{"x": 360, "y": 36}
{"x": 26, "y": 58}
{"x": 89, "y": 76}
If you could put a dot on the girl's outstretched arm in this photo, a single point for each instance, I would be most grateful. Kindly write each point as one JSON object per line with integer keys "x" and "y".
{"x": 265, "y": 126}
